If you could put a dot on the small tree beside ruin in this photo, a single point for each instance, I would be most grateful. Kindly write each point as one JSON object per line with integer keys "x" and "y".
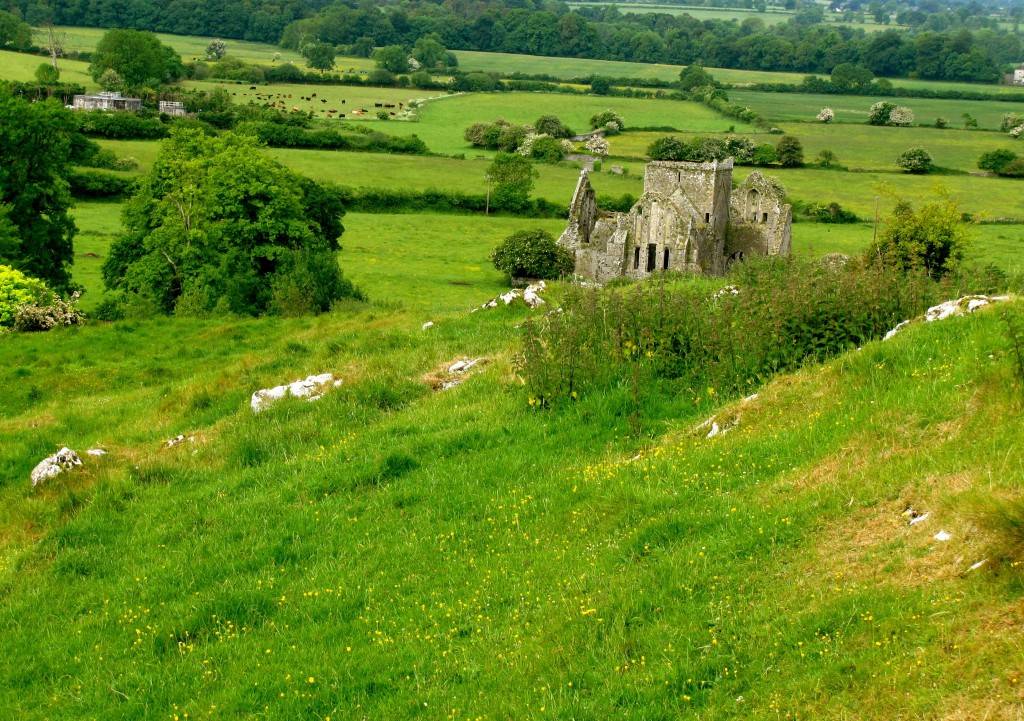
{"x": 532, "y": 254}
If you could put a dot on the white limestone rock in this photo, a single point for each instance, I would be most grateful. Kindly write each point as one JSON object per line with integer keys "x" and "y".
{"x": 529, "y": 295}
{"x": 63, "y": 460}
{"x": 312, "y": 388}
{"x": 96, "y": 452}
{"x": 950, "y": 308}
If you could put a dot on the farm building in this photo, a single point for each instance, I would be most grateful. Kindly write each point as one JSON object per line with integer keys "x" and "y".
{"x": 105, "y": 101}
{"x": 1018, "y": 75}
{"x": 169, "y": 107}
{"x": 689, "y": 218}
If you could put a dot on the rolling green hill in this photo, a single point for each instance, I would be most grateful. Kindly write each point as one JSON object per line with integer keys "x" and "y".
{"x": 393, "y": 551}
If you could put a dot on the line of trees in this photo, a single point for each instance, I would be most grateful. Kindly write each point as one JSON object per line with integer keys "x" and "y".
{"x": 941, "y": 51}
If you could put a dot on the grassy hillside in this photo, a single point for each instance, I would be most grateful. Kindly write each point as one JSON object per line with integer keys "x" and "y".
{"x": 391, "y": 551}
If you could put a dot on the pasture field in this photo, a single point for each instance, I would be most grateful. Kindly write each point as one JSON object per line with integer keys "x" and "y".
{"x": 804, "y": 107}
{"x": 371, "y": 170}
{"x": 355, "y": 97}
{"x": 433, "y": 263}
{"x": 998, "y": 244}
{"x": 21, "y": 67}
{"x": 442, "y": 122}
{"x": 189, "y": 47}
{"x": 988, "y": 198}
{"x": 859, "y": 147}
{"x": 568, "y": 68}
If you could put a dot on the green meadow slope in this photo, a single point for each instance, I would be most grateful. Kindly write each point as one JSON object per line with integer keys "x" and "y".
{"x": 394, "y": 551}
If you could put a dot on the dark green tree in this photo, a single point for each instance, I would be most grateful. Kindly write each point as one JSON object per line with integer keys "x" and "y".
{"x": 695, "y": 76}
{"x": 995, "y": 160}
{"x": 600, "y": 86}
{"x": 551, "y": 125}
{"x": 319, "y": 56}
{"x": 14, "y": 33}
{"x": 429, "y": 52}
{"x": 219, "y": 224}
{"x": 138, "y": 57}
{"x": 512, "y": 175}
{"x": 790, "y": 152}
{"x": 35, "y": 144}
{"x": 392, "y": 58}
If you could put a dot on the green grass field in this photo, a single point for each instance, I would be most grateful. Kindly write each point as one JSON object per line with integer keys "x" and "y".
{"x": 804, "y": 107}
{"x": 355, "y": 98}
{"x": 395, "y": 552}
{"x": 22, "y": 67}
{"x": 859, "y": 147}
{"x": 442, "y": 122}
{"x": 189, "y": 47}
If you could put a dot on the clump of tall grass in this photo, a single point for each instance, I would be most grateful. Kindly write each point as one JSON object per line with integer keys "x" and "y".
{"x": 779, "y": 314}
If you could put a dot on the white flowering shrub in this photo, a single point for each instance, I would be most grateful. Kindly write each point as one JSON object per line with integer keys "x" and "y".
{"x": 1016, "y": 132}
{"x": 598, "y": 146}
{"x": 901, "y": 116}
{"x": 826, "y": 115}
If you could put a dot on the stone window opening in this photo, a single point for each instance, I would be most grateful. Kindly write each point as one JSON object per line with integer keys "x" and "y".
{"x": 753, "y": 204}
{"x": 664, "y": 265}
{"x": 707, "y": 217}
{"x": 652, "y": 257}
{"x": 764, "y": 217}
{"x": 636, "y": 258}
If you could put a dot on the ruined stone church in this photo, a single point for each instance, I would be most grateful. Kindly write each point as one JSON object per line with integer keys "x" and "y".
{"x": 689, "y": 218}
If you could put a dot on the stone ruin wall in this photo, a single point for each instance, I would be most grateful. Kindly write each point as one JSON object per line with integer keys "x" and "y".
{"x": 688, "y": 210}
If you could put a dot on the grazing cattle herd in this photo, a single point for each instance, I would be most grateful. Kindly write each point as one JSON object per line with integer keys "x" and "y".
{"x": 281, "y": 101}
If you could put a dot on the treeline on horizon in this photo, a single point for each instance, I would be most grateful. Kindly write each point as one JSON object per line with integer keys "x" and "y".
{"x": 803, "y": 44}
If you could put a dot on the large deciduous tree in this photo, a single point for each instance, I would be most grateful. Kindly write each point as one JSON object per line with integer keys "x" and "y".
{"x": 138, "y": 57}
{"x": 14, "y": 33}
{"x": 319, "y": 56}
{"x": 219, "y": 224}
{"x": 392, "y": 58}
{"x": 36, "y": 231}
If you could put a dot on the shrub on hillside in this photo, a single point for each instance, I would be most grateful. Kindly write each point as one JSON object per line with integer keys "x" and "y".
{"x": 934, "y": 237}
{"x": 532, "y": 254}
{"x": 826, "y": 115}
{"x": 916, "y": 161}
{"x": 1013, "y": 169}
{"x": 551, "y": 125}
{"x": 880, "y": 113}
{"x": 609, "y": 121}
{"x": 995, "y": 160}
{"x": 43, "y": 316}
{"x": 16, "y": 290}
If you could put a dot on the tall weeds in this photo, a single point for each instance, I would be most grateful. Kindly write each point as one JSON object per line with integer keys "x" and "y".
{"x": 783, "y": 313}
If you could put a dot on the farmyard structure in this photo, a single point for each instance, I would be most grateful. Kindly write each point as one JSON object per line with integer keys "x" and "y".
{"x": 689, "y": 218}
